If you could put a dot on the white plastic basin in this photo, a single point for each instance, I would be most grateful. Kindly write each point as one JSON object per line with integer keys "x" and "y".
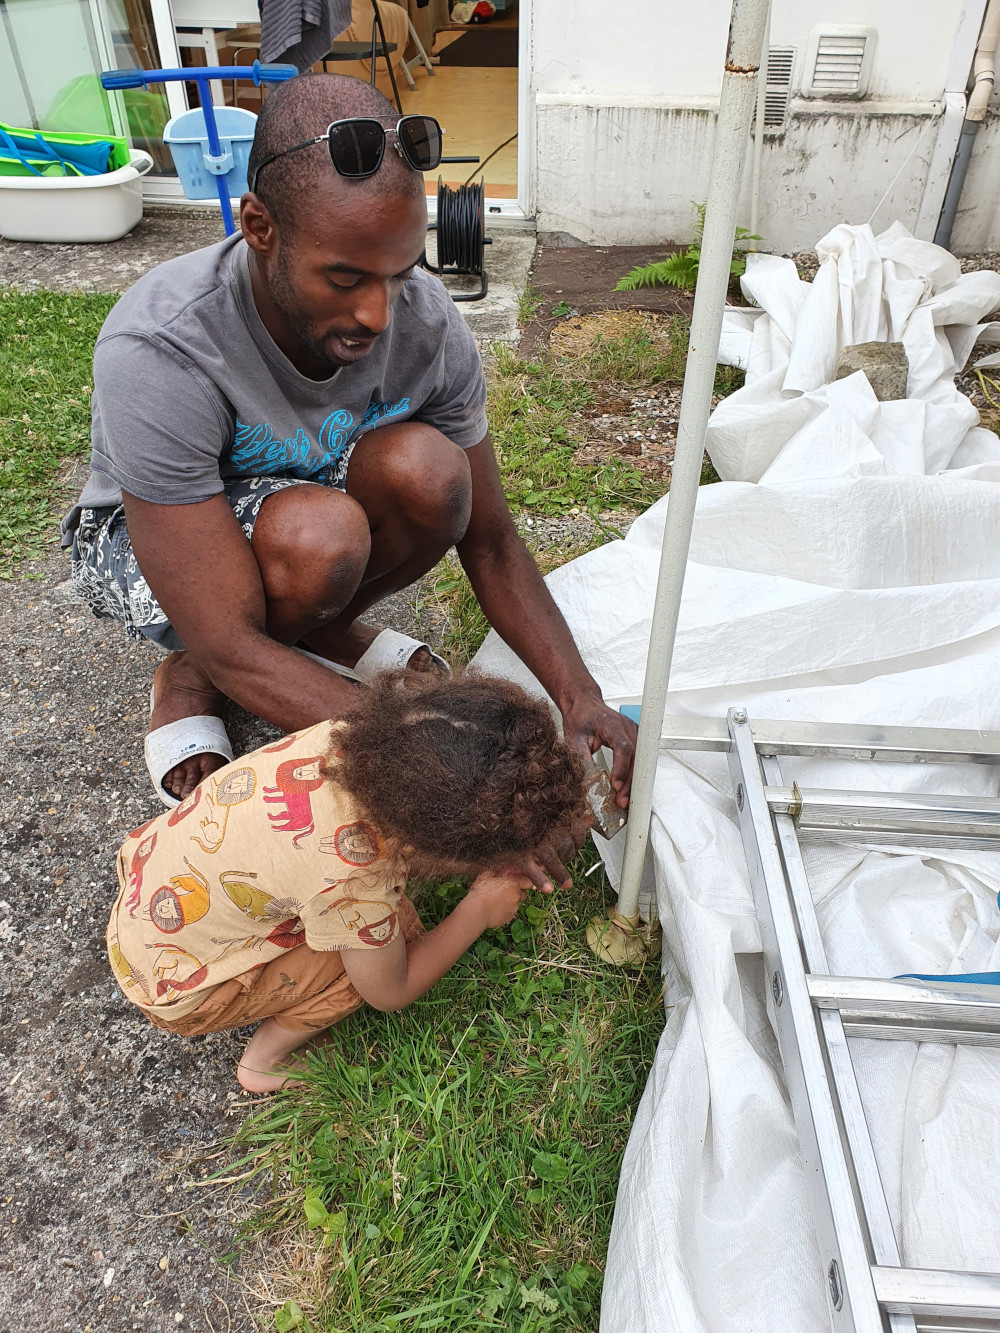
{"x": 73, "y": 208}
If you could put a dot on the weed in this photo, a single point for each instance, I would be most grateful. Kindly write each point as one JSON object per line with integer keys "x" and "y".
{"x": 989, "y": 416}
{"x": 531, "y": 409}
{"x": 681, "y": 269}
{"x": 47, "y": 340}
{"x": 454, "y": 1166}
{"x": 528, "y": 301}
{"x": 561, "y": 308}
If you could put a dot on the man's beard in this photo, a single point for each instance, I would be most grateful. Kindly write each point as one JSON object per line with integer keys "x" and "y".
{"x": 284, "y": 297}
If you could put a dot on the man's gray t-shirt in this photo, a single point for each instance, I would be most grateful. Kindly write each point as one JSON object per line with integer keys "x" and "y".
{"x": 190, "y": 389}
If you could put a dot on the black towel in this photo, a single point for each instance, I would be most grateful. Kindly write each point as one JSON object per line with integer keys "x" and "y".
{"x": 300, "y": 32}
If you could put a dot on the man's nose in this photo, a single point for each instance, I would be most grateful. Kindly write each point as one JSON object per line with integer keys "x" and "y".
{"x": 372, "y": 309}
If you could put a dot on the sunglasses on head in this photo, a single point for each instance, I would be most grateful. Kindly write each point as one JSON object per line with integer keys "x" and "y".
{"x": 357, "y": 146}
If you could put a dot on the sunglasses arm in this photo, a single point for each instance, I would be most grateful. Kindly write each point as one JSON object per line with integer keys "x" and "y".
{"x": 460, "y": 159}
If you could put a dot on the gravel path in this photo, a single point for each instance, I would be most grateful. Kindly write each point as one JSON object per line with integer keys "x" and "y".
{"x": 108, "y": 1124}
{"x": 104, "y": 1117}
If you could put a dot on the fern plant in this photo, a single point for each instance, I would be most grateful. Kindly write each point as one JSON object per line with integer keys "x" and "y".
{"x": 681, "y": 269}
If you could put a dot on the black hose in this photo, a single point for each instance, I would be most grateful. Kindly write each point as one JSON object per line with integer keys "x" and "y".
{"x": 460, "y": 227}
{"x": 492, "y": 155}
{"x": 461, "y": 236}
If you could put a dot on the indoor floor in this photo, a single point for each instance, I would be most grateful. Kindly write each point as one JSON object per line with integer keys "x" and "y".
{"x": 475, "y": 104}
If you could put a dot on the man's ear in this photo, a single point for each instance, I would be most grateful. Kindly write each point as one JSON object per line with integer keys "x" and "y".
{"x": 260, "y": 231}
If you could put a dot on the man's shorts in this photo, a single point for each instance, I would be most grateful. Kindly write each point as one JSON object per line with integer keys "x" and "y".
{"x": 302, "y": 990}
{"x": 106, "y": 574}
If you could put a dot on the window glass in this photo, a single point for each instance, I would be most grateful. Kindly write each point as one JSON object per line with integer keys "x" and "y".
{"x": 51, "y": 56}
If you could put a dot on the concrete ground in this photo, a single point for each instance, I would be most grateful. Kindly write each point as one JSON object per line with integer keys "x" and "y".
{"x": 165, "y": 233}
{"x": 108, "y": 1127}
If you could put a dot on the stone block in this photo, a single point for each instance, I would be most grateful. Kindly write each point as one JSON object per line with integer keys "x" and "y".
{"x": 885, "y": 366}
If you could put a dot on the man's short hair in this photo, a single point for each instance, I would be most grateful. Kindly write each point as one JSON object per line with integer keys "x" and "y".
{"x": 299, "y": 110}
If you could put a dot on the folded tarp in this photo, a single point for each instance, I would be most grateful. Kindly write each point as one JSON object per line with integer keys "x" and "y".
{"x": 848, "y": 570}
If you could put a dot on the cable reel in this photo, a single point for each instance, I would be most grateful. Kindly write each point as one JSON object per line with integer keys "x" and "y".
{"x": 461, "y": 236}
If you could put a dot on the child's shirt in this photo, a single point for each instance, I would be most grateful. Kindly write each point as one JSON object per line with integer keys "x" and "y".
{"x": 264, "y": 855}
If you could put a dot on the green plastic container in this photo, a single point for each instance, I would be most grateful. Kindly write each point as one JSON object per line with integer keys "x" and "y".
{"x": 119, "y": 154}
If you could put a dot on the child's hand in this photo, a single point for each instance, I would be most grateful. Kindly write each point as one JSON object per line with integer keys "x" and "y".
{"x": 498, "y": 896}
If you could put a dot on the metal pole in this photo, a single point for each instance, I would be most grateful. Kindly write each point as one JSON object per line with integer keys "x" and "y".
{"x": 732, "y": 133}
{"x": 758, "y": 135}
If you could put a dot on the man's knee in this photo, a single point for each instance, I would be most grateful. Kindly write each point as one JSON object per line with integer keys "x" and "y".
{"x": 425, "y": 478}
{"x": 312, "y": 545}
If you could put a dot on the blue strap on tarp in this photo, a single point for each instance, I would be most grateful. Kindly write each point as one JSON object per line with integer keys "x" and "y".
{"x": 975, "y": 978}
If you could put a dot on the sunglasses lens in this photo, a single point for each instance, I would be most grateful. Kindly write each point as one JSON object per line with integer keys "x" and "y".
{"x": 420, "y": 140}
{"x": 356, "y": 147}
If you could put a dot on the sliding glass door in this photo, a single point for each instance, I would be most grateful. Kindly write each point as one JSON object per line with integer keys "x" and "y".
{"x": 51, "y": 56}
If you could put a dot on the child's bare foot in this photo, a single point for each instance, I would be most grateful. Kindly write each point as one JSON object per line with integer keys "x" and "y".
{"x": 265, "y": 1065}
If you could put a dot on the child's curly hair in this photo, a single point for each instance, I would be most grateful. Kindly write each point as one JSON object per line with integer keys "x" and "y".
{"x": 466, "y": 769}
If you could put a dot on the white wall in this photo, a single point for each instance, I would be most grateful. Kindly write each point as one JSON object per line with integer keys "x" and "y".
{"x": 625, "y": 100}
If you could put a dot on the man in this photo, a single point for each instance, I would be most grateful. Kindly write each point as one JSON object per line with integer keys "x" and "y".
{"x": 289, "y": 426}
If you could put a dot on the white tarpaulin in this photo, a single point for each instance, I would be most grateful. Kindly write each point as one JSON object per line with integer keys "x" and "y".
{"x": 847, "y": 569}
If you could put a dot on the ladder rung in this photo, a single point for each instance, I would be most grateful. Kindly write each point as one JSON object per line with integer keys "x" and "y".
{"x": 922, "y": 745}
{"x": 929, "y": 1291}
{"x": 911, "y": 1010}
{"x": 875, "y": 816}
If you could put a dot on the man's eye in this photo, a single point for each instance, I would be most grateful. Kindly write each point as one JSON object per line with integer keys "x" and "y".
{"x": 345, "y": 284}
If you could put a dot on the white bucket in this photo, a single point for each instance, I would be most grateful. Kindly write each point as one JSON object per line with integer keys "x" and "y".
{"x": 71, "y": 209}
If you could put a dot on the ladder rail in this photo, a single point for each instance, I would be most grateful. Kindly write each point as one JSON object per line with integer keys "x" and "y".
{"x": 814, "y": 1012}
{"x": 911, "y": 745}
{"x": 843, "y": 1242}
{"x": 860, "y": 1151}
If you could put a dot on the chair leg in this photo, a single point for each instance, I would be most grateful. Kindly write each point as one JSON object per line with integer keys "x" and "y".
{"x": 421, "y": 58}
{"x": 212, "y": 58}
{"x": 385, "y": 51}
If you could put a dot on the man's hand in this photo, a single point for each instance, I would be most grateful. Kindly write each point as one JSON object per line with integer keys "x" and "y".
{"x": 589, "y": 724}
{"x": 497, "y": 895}
{"x": 520, "y": 608}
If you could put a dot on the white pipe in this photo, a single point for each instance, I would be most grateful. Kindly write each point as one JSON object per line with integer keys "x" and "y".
{"x": 758, "y": 134}
{"x": 732, "y": 134}
{"x": 983, "y": 67}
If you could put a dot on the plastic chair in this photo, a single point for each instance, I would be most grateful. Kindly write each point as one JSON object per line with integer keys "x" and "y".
{"x": 217, "y": 162}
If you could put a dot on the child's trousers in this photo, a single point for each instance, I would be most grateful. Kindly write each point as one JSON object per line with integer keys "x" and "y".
{"x": 302, "y": 990}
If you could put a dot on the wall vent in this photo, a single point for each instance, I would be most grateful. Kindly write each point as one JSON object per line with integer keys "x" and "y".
{"x": 839, "y": 61}
{"x": 780, "y": 60}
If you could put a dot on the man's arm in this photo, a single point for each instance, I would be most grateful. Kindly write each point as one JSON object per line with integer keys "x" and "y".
{"x": 201, "y": 570}
{"x": 520, "y": 608}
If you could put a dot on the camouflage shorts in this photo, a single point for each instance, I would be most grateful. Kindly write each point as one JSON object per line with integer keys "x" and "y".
{"x": 106, "y": 574}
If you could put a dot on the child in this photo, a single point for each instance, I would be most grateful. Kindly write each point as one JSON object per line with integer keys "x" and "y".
{"x": 275, "y": 891}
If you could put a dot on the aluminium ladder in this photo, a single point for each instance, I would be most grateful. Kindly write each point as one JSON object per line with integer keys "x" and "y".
{"x": 868, "y": 1289}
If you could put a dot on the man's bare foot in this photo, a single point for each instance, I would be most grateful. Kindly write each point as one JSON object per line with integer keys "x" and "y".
{"x": 347, "y": 648}
{"x": 265, "y": 1065}
{"x": 182, "y": 689}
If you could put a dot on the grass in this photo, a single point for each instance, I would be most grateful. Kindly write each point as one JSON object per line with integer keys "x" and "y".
{"x": 47, "y": 341}
{"x": 534, "y": 409}
{"x": 465, "y": 626}
{"x": 454, "y": 1166}
{"x": 528, "y": 303}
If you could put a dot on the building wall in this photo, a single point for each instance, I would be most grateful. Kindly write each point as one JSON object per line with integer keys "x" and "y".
{"x": 625, "y": 108}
